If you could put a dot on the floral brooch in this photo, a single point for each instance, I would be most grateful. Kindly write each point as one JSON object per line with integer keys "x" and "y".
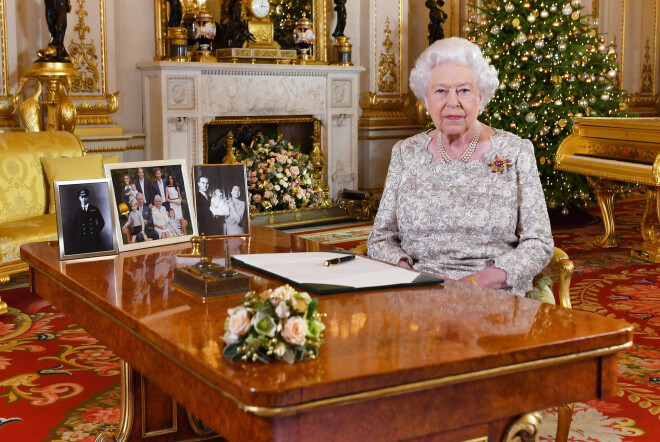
{"x": 499, "y": 165}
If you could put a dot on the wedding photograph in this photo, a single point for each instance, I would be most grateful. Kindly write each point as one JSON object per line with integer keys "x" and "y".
{"x": 84, "y": 218}
{"x": 153, "y": 203}
{"x": 221, "y": 200}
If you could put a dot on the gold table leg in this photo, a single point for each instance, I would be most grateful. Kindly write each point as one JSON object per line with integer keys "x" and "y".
{"x": 605, "y": 192}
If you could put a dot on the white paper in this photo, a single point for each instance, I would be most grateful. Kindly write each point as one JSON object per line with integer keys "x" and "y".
{"x": 309, "y": 268}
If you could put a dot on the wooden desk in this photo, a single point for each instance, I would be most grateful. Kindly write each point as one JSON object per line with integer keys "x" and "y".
{"x": 454, "y": 362}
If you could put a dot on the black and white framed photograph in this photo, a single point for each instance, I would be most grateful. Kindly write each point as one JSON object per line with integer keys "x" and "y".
{"x": 153, "y": 201}
{"x": 84, "y": 218}
{"x": 221, "y": 200}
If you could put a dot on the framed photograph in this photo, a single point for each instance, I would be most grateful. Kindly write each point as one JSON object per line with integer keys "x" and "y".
{"x": 85, "y": 225}
{"x": 221, "y": 200}
{"x": 153, "y": 203}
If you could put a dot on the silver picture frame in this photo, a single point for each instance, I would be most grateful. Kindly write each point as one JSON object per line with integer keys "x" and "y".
{"x": 85, "y": 221}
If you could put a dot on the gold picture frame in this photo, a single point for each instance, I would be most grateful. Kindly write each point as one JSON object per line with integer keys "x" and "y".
{"x": 319, "y": 19}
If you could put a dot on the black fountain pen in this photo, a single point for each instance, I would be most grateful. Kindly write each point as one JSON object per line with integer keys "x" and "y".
{"x": 335, "y": 261}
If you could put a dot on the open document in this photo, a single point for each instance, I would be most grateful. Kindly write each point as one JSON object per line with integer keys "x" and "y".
{"x": 308, "y": 270}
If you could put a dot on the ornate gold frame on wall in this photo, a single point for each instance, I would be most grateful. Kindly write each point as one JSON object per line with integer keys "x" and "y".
{"x": 318, "y": 12}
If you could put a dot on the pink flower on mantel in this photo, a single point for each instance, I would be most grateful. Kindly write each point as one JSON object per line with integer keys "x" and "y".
{"x": 102, "y": 415}
{"x": 499, "y": 165}
{"x": 257, "y": 198}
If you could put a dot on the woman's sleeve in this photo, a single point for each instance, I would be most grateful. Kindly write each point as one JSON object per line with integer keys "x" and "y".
{"x": 535, "y": 243}
{"x": 384, "y": 241}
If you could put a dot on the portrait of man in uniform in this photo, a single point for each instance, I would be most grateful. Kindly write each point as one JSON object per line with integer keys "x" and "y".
{"x": 84, "y": 218}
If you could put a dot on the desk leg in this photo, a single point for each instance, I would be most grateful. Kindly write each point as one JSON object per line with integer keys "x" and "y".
{"x": 525, "y": 428}
{"x": 147, "y": 413}
{"x": 605, "y": 192}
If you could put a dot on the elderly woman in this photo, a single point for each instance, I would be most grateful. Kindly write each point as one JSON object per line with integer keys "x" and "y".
{"x": 159, "y": 215}
{"x": 462, "y": 201}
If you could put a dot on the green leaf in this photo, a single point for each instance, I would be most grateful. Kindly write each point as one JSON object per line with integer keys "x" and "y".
{"x": 311, "y": 308}
{"x": 231, "y": 349}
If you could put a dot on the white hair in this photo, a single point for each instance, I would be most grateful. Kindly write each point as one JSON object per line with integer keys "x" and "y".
{"x": 458, "y": 51}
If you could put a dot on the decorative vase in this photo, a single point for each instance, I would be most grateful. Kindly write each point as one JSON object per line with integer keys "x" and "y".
{"x": 303, "y": 35}
{"x": 204, "y": 32}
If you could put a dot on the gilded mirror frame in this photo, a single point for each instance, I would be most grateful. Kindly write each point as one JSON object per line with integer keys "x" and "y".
{"x": 318, "y": 12}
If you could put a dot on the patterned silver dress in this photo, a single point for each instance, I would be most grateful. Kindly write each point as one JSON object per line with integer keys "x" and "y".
{"x": 455, "y": 219}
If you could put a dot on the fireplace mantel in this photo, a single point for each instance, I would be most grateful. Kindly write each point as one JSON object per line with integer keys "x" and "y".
{"x": 178, "y": 99}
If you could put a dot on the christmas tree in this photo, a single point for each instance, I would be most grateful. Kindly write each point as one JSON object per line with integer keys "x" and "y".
{"x": 553, "y": 67}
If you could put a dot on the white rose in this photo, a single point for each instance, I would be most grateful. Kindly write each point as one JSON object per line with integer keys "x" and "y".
{"x": 282, "y": 310}
{"x": 277, "y": 187}
{"x": 279, "y": 175}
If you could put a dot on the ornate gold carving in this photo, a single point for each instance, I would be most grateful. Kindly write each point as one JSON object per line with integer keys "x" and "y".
{"x": 387, "y": 77}
{"x": 646, "y": 84}
{"x": 317, "y": 159}
{"x": 561, "y": 263}
{"x": 605, "y": 192}
{"x": 362, "y": 207}
{"x": 83, "y": 55}
{"x": 374, "y": 106}
{"x": 28, "y": 111}
{"x": 649, "y": 250}
{"x": 97, "y": 113}
{"x": 198, "y": 425}
{"x": 525, "y": 428}
{"x": 230, "y": 157}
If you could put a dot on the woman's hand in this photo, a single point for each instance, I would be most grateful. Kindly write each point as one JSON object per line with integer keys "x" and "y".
{"x": 491, "y": 277}
{"x": 404, "y": 263}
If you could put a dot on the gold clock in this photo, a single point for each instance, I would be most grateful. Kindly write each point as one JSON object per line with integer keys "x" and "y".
{"x": 260, "y": 25}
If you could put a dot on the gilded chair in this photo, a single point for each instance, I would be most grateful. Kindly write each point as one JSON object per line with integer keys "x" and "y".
{"x": 561, "y": 264}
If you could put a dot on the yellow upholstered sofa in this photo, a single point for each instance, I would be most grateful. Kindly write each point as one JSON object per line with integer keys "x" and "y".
{"x": 25, "y": 215}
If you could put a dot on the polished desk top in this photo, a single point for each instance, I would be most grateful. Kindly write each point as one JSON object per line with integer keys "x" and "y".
{"x": 374, "y": 340}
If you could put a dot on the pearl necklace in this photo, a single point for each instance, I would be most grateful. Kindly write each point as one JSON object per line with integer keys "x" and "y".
{"x": 468, "y": 152}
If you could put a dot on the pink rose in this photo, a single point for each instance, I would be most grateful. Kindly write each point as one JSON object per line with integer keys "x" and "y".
{"x": 239, "y": 322}
{"x": 256, "y": 198}
{"x": 270, "y": 186}
{"x": 295, "y": 171}
{"x": 295, "y": 330}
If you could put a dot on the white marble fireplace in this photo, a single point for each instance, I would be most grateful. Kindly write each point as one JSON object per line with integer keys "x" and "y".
{"x": 180, "y": 98}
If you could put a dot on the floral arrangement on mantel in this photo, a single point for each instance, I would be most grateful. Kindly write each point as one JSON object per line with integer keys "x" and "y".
{"x": 281, "y": 324}
{"x": 279, "y": 176}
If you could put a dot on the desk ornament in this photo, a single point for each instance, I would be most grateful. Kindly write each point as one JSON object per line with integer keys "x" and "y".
{"x": 282, "y": 324}
{"x": 208, "y": 279}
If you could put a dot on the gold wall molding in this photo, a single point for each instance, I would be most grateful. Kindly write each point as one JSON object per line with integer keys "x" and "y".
{"x": 647, "y": 81}
{"x": 84, "y": 56}
{"x": 387, "y": 66}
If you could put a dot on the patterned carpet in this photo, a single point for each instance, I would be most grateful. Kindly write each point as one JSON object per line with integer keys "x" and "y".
{"x": 58, "y": 384}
